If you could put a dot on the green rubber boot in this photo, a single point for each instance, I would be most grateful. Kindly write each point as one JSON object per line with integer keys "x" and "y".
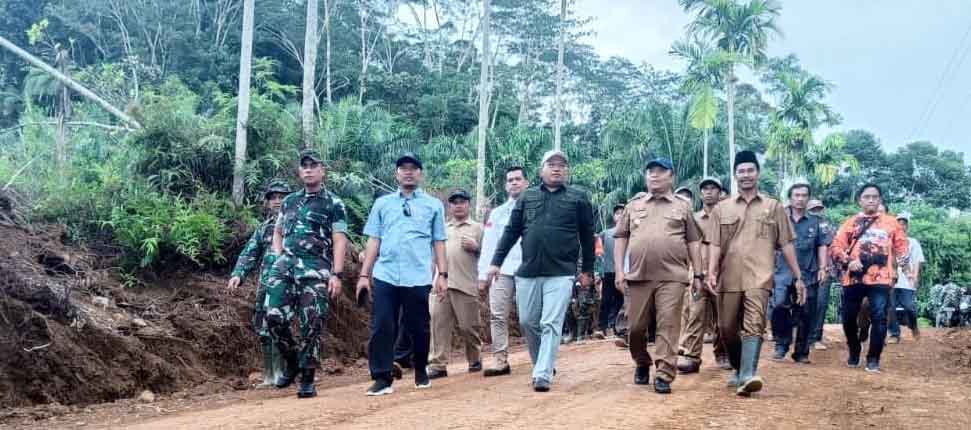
{"x": 269, "y": 372}
{"x": 748, "y": 381}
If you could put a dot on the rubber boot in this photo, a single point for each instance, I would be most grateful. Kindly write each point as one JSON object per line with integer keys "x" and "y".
{"x": 269, "y": 374}
{"x": 307, "y": 387}
{"x": 290, "y": 373}
{"x": 748, "y": 381}
{"x": 279, "y": 366}
{"x": 581, "y": 331}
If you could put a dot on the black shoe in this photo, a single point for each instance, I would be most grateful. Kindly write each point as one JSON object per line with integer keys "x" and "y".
{"x": 405, "y": 364}
{"x": 724, "y": 363}
{"x": 396, "y": 371}
{"x": 290, "y": 373}
{"x": 475, "y": 367}
{"x": 435, "y": 374}
{"x": 853, "y": 361}
{"x": 802, "y": 360}
{"x": 541, "y": 385}
{"x": 380, "y": 387}
{"x": 872, "y": 365}
{"x": 307, "y": 387}
{"x": 642, "y": 375}
{"x": 497, "y": 372}
{"x": 780, "y": 354}
{"x": 422, "y": 380}
{"x": 661, "y": 386}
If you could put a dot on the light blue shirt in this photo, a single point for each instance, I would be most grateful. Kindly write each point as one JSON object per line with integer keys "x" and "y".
{"x": 405, "y": 257}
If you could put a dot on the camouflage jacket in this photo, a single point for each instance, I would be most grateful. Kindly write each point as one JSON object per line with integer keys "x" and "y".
{"x": 308, "y": 222}
{"x": 258, "y": 250}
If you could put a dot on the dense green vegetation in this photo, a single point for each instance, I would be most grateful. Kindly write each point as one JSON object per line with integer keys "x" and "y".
{"x": 400, "y": 75}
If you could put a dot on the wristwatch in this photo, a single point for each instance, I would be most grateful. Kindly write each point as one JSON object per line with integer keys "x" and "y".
{"x": 338, "y": 275}
{"x": 443, "y": 274}
{"x": 700, "y": 276}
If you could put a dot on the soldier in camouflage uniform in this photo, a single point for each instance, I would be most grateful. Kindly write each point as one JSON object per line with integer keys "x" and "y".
{"x": 259, "y": 252}
{"x": 584, "y": 303}
{"x": 310, "y": 238}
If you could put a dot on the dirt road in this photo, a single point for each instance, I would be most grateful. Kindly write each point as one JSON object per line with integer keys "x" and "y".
{"x": 920, "y": 388}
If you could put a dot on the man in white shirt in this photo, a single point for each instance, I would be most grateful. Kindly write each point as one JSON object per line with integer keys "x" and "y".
{"x": 503, "y": 290}
{"x": 905, "y": 292}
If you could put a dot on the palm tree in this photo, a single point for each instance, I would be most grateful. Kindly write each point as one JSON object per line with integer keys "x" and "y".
{"x": 706, "y": 67}
{"x": 742, "y": 30}
{"x": 829, "y": 158}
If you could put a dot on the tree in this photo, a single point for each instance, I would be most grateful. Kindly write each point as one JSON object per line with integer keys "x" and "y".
{"x": 309, "y": 73}
{"x": 741, "y": 30}
{"x": 485, "y": 91}
{"x": 558, "y": 104}
{"x": 706, "y": 66}
{"x": 242, "y": 116}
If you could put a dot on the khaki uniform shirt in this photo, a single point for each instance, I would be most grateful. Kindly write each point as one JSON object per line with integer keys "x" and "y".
{"x": 462, "y": 265}
{"x": 704, "y": 220}
{"x": 659, "y": 227}
{"x": 749, "y": 233}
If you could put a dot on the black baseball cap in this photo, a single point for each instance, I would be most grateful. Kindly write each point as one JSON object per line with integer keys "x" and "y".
{"x": 408, "y": 157}
{"x": 660, "y": 162}
{"x": 458, "y": 193}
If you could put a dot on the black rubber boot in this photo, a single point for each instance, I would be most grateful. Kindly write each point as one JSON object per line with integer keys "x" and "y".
{"x": 307, "y": 387}
{"x": 290, "y": 373}
{"x": 748, "y": 381}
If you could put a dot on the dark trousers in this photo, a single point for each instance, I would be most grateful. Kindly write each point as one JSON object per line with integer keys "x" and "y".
{"x": 822, "y": 307}
{"x": 402, "y": 345}
{"x": 787, "y": 315}
{"x": 853, "y": 297}
{"x": 906, "y": 299}
{"x": 413, "y": 303}
{"x": 612, "y": 301}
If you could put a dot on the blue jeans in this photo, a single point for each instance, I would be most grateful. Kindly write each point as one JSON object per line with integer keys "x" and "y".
{"x": 542, "y": 304}
{"x": 906, "y": 299}
{"x": 787, "y": 315}
{"x": 852, "y": 299}
{"x": 412, "y": 302}
{"x": 822, "y": 307}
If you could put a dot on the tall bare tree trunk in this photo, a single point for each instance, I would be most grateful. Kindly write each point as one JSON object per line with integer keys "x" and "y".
{"x": 327, "y": 11}
{"x": 309, "y": 73}
{"x": 704, "y": 169}
{"x": 558, "y": 107}
{"x": 731, "y": 127}
{"x": 485, "y": 89}
{"x": 70, "y": 83}
{"x": 362, "y": 80}
{"x": 242, "y": 116}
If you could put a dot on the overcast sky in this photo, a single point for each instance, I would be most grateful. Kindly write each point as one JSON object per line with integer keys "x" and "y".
{"x": 887, "y": 58}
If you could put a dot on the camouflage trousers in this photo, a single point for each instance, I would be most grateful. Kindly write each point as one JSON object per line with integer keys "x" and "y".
{"x": 297, "y": 286}
{"x": 259, "y": 309}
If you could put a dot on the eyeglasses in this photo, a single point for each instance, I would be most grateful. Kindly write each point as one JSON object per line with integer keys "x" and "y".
{"x": 406, "y": 209}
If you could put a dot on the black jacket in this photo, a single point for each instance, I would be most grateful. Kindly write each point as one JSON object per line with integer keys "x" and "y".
{"x": 555, "y": 227}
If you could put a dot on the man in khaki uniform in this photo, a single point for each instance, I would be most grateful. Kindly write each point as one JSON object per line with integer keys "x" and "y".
{"x": 751, "y": 226}
{"x": 662, "y": 234}
{"x": 701, "y": 307}
{"x": 460, "y": 302}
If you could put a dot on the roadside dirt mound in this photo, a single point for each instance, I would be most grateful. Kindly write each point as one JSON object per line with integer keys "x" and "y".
{"x": 73, "y": 333}
{"x": 959, "y": 342}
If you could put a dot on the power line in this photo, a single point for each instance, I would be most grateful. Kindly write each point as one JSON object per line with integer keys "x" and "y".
{"x": 952, "y": 66}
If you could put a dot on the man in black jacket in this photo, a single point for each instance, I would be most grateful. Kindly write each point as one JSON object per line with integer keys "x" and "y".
{"x": 552, "y": 219}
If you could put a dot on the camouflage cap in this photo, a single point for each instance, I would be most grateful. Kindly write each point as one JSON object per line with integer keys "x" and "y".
{"x": 277, "y": 186}
{"x": 311, "y": 154}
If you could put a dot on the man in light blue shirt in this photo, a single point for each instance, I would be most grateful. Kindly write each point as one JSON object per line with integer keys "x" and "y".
{"x": 404, "y": 229}
{"x": 503, "y": 290}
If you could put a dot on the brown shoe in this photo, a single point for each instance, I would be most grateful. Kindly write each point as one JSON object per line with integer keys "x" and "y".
{"x": 688, "y": 365}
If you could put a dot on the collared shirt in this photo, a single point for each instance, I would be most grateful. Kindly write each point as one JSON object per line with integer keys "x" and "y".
{"x": 748, "y": 235}
{"x": 405, "y": 257}
{"x": 462, "y": 263}
{"x": 556, "y": 227}
{"x": 492, "y": 232}
{"x": 877, "y": 248}
{"x": 660, "y": 227}
{"x": 308, "y": 222}
{"x": 707, "y": 224}
{"x": 607, "y": 236}
{"x": 810, "y": 235}
{"x": 916, "y": 258}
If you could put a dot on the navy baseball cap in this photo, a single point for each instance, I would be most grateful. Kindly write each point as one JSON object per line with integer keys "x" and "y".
{"x": 408, "y": 157}
{"x": 660, "y": 162}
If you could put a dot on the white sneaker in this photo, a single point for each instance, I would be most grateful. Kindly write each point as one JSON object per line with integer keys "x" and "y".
{"x": 819, "y": 346}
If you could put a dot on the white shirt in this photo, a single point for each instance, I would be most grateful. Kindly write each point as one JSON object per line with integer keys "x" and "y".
{"x": 916, "y": 257}
{"x": 491, "y": 233}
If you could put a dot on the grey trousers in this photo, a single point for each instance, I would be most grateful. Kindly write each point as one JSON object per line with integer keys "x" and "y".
{"x": 501, "y": 297}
